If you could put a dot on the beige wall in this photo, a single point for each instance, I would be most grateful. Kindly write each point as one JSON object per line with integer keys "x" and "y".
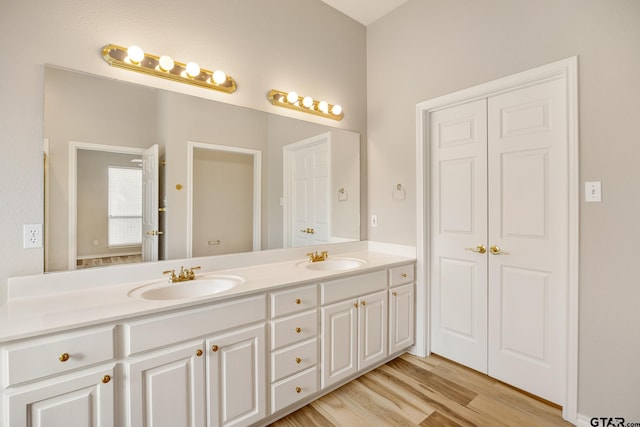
{"x": 252, "y": 40}
{"x": 429, "y": 48}
{"x": 222, "y": 202}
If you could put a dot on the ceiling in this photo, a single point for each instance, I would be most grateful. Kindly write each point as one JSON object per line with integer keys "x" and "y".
{"x": 365, "y": 11}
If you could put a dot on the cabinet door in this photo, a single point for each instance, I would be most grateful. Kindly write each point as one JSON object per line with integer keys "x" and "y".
{"x": 237, "y": 377}
{"x": 372, "y": 329}
{"x": 401, "y": 318}
{"x": 83, "y": 399}
{"x": 167, "y": 388}
{"x": 339, "y": 341}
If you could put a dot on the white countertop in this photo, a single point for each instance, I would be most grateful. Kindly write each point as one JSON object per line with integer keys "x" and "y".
{"x": 55, "y": 312}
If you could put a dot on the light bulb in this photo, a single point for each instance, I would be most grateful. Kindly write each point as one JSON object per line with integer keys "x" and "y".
{"x": 336, "y": 109}
{"x": 193, "y": 69}
{"x": 135, "y": 54}
{"x": 323, "y": 106}
{"x": 292, "y": 97}
{"x": 166, "y": 63}
{"x": 307, "y": 101}
{"x": 219, "y": 77}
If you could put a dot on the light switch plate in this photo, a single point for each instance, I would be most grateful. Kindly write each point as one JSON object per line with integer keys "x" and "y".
{"x": 593, "y": 191}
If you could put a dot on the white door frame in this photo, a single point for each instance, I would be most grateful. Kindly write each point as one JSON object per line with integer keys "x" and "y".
{"x": 257, "y": 189}
{"x": 74, "y": 146}
{"x": 567, "y": 70}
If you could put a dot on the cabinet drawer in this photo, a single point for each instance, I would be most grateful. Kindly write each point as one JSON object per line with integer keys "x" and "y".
{"x": 293, "y": 300}
{"x": 41, "y": 357}
{"x": 293, "y": 329}
{"x": 401, "y": 275}
{"x": 339, "y": 290}
{"x": 293, "y": 389}
{"x": 178, "y": 327}
{"x": 291, "y": 360}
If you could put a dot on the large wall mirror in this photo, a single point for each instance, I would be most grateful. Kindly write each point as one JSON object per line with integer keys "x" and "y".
{"x": 134, "y": 174}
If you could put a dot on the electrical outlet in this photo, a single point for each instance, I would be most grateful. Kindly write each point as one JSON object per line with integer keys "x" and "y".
{"x": 374, "y": 220}
{"x": 32, "y": 235}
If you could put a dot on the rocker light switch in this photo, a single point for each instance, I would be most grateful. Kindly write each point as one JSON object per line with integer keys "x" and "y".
{"x": 593, "y": 191}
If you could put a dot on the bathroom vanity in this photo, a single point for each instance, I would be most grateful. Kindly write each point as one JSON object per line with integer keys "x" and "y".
{"x": 286, "y": 333}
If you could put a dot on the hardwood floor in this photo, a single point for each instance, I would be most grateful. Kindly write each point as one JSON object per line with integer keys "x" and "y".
{"x": 426, "y": 392}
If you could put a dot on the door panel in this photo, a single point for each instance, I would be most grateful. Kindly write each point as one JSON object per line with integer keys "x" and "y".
{"x": 236, "y": 377}
{"x": 372, "y": 329}
{"x": 339, "y": 341}
{"x": 150, "y": 194}
{"x": 528, "y": 279}
{"x": 459, "y": 222}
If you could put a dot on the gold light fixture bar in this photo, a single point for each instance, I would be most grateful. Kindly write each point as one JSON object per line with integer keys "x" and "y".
{"x": 307, "y": 104}
{"x": 166, "y": 68}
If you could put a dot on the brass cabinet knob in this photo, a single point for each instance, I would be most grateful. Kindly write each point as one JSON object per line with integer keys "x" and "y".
{"x": 298, "y": 360}
{"x": 363, "y": 303}
{"x": 298, "y": 389}
{"x": 298, "y": 301}
{"x": 394, "y": 293}
{"x": 404, "y": 275}
{"x": 64, "y": 357}
{"x": 355, "y": 304}
{"x": 214, "y": 348}
{"x": 298, "y": 330}
{"x": 199, "y": 353}
{"x": 106, "y": 379}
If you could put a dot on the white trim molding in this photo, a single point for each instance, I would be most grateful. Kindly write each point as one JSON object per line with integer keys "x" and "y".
{"x": 566, "y": 70}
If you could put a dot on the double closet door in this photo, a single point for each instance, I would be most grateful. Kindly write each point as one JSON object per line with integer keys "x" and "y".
{"x": 499, "y": 236}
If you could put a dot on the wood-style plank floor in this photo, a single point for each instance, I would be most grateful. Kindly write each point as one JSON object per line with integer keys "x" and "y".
{"x": 426, "y": 392}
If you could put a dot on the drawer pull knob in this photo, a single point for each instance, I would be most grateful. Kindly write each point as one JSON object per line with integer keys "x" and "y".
{"x": 214, "y": 348}
{"x": 298, "y": 360}
{"x": 394, "y": 293}
{"x": 106, "y": 379}
{"x": 64, "y": 357}
{"x": 364, "y": 303}
{"x": 298, "y": 389}
{"x": 298, "y": 301}
{"x": 355, "y": 304}
{"x": 404, "y": 275}
{"x": 199, "y": 353}
{"x": 298, "y": 330}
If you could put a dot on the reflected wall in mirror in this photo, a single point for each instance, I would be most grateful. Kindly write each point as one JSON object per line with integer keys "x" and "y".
{"x": 87, "y": 109}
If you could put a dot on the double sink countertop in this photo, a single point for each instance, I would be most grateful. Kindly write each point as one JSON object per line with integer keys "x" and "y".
{"x": 78, "y": 306}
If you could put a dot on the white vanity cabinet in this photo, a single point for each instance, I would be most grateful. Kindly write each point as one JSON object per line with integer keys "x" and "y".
{"x": 354, "y": 330}
{"x": 216, "y": 378}
{"x": 167, "y": 387}
{"x": 401, "y": 308}
{"x": 63, "y": 379}
{"x": 236, "y": 377}
{"x": 294, "y": 345}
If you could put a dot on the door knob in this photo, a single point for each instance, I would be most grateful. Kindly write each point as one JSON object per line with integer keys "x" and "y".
{"x": 495, "y": 250}
{"x": 479, "y": 249}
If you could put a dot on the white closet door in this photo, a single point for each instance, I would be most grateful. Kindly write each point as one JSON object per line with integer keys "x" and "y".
{"x": 528, "y": 213}
{"x": 458, "y": 137}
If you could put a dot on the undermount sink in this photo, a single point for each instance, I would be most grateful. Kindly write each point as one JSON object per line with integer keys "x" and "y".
{"x": 334, "y": 264}
{"x": 187, "y": 290}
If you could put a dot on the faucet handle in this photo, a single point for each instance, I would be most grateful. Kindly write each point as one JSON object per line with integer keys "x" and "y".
{"x": 190, "y": 274}
{"x": 173, "y": 278}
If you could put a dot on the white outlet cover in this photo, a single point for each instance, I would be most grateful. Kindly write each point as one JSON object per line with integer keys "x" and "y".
{"x": 32, "y": 234}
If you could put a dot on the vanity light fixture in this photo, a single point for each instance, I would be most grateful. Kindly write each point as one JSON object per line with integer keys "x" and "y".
{"x": 307, "y": 104}
{"x": 135, "y": 59}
